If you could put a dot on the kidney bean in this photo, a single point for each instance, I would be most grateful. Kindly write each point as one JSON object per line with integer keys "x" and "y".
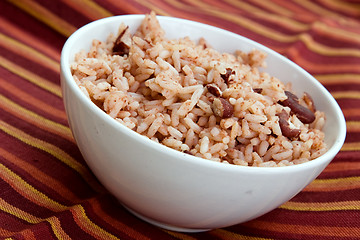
{"x": 288, "y": 132}
{"x": 214, "y": 90}
{"x": 304, "y": 114}
{"x": 122, "y": 43}
{"x": 222, "y": 108}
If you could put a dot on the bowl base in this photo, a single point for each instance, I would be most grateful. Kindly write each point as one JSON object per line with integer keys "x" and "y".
{"x": 164, "y": 225}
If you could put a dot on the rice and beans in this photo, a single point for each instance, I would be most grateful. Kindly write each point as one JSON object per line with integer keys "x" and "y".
{"x": 192, "y": 98}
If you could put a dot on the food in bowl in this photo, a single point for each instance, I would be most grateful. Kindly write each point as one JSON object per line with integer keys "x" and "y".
{"x": 183, "y": 192}
{"x": 192, "y": 98}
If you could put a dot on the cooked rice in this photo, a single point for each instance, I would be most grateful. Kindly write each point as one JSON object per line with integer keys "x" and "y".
{"x": 166, "y": 90}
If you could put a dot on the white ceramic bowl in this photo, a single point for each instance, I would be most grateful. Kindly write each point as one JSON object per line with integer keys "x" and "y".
{"x": 178, "y": 191}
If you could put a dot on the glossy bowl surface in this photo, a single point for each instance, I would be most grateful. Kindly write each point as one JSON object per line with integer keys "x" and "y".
{"x": 178, "y": 191}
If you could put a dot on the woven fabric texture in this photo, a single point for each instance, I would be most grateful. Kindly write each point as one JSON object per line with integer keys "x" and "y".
{"x": 48, "y": 192}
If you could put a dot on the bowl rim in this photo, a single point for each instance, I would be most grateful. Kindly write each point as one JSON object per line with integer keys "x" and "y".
{"x": 68, "y": 80}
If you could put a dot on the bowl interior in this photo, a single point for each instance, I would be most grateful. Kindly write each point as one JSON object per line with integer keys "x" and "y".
{"x": 223, "y": 41}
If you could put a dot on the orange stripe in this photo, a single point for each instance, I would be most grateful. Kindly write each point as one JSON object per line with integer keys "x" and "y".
{"x": 31, "y": 77}
{"x": 335, "y": 184}
{"x": 351, "y": 146}
{"x": 89, "y": 8}
{"x": 45, "y": 16}
{"x": 322, "y": 206}
{"x": 154, "y": 7}
{"x": 83, "y": 221}
{"x": 297, "y": 56}
{"x": 29, "y": 39}
{"x": 6, "y": 233}
{"x": 346, "y": 94}
{"x": 343, "y": 167}
{"x": 40, "y": 176}
{"x": 337, "y": 33}
{"x": 347, "y": 8}
{"x": 127, "y": 6}
{"x": 53, "y": 150}
{"x": 28, "y": 234}
{"x": 286, "y": 22}
{"x": 28, "y": 191}
{"x": 179, "y": 235}
{"x": 328, "y": 51}
{"x": 131, "y": 232}
{"x": 224, "y": 234}
{"x": 28, "y": 53}
{"x": 35, "y": 119}
{"x": 351, "y": 112}
{"x": 273, "y": 7}
{"x": 353, "y": 126}
{"x": 338, "y": 78}
{"x": 317, "y": 9}
{"x": 298, "y": 12}
{"x": 175, "y": 8}
{"x": 304, "y": 230}
{"x": 57, "y": 229}
{"x": 30, "y": 99}
{"x": 25, "y": 216}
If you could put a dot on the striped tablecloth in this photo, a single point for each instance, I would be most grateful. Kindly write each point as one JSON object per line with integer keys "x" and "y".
{"x": 47, "y": 190}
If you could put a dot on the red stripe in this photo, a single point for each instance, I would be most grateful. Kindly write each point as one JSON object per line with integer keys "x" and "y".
{"x": 30, "y": 102}
{"x": 341, "y": 86}
{"x": 31, "y": 174}
{"x": 11, "y": 223}
{"x": 104, "y": 210}
{"x": 30, "y": 107}
{"x": 315, "y": 57}
{"x": 31, "y": 25}
{"x": 43, "y": 230}
{"x": 295, "y": 54}
{"x": 346, "y": 13}
{"x": 35, "y": 90}
{"x": 49, "y": 165}
{"x": 70, "y": 227}
{"x": 69, "y": 147}
{"x": 352, "y": 136}
{"x": 28, "y": 64}
{"x": 333, "y": 40}
{"x": 65, "y": 12}
{"x": 107, "y": 212}
{"x": 10, "y": 195}
{"x": 120, "y": 8}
